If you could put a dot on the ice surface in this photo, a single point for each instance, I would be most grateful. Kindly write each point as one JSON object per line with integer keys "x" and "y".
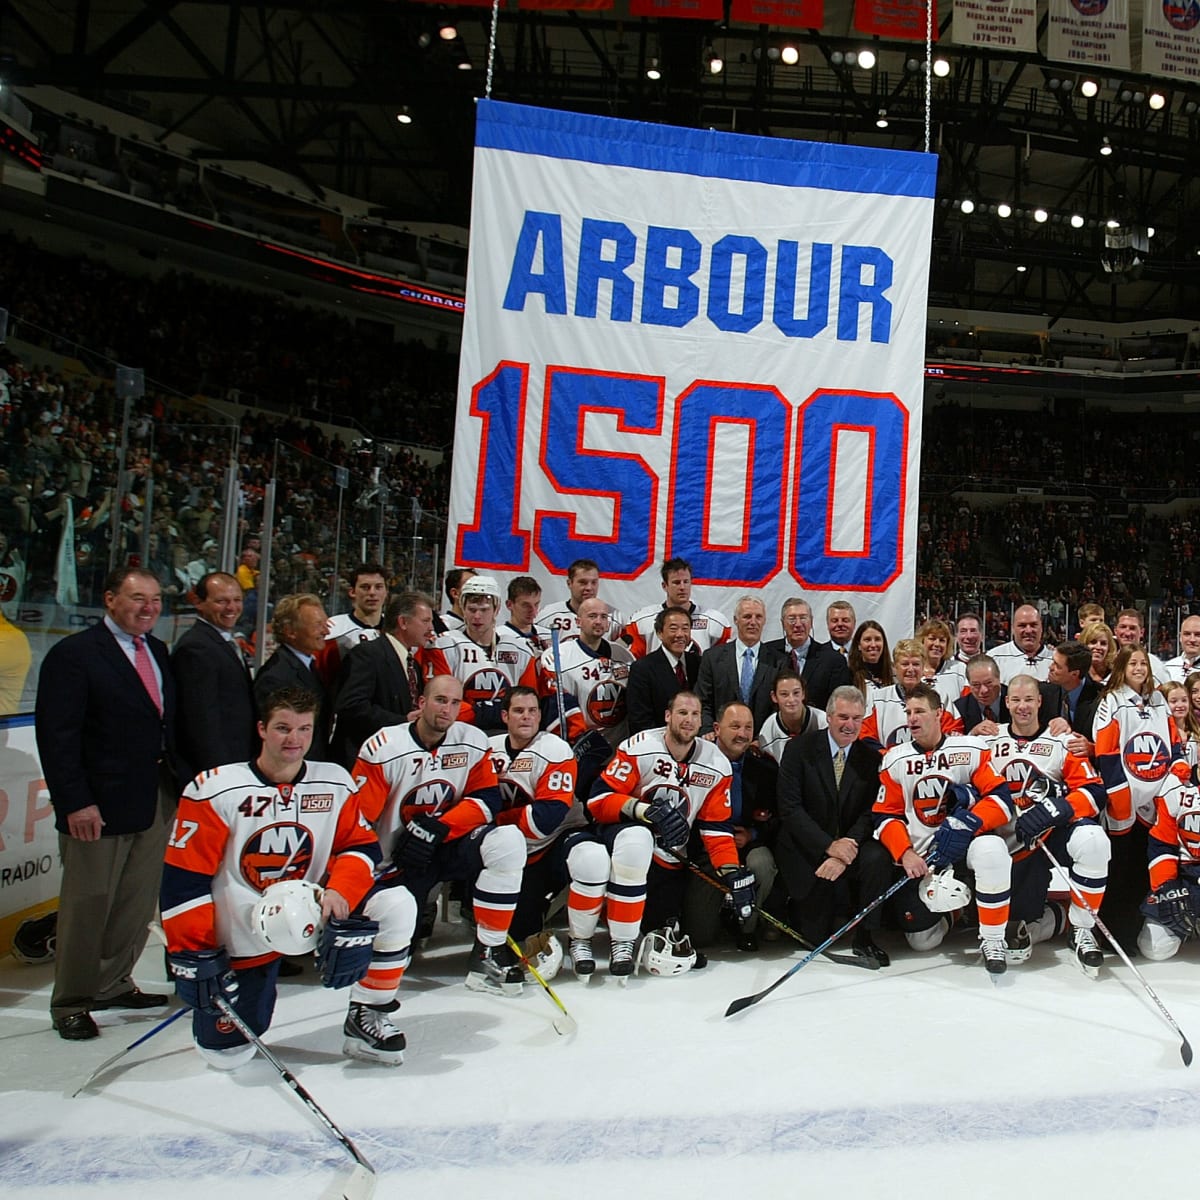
{"x": 920, "y": 1079}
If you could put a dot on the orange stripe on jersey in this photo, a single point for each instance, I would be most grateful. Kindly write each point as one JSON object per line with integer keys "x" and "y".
{"x": 191, "y": 926}
{"x": 373, "y": 787}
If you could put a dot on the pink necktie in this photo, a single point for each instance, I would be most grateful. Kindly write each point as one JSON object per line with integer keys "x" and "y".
{"x": 141, "y": 662}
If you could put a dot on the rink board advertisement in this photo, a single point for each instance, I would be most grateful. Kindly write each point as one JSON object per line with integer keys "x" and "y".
{"x": 29, "y": 863}
{"x": 695, "y": 344}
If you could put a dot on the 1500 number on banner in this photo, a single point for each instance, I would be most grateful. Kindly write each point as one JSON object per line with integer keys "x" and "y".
{"x": 846, "y": 470}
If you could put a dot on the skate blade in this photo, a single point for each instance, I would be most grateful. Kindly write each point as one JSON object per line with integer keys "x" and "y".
{"x": 353, "y": 1048}
{"x": 479, "y": 983}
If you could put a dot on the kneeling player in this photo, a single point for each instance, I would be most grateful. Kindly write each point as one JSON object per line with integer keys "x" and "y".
{"x": 430, "y": 789}
{"x": 1058, "y": 797}
{"x": 244, "y": 827}
{"x": 940, "y": 801}
{"x": 664, "y": 781}
{"x": 1172, "y": 909}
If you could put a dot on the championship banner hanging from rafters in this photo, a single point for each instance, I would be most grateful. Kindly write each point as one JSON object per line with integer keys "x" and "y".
{"x": 1171, "y": 39}
{"x": 997, "y": 24}
{"x": 1089, "y": 33}
{"x": 695, "y": 344}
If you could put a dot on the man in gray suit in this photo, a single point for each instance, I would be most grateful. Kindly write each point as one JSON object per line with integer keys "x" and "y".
{"x": 743, "y": 669}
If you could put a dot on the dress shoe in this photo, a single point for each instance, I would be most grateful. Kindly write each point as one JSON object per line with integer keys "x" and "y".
{"x": 864, "y": 947}
{"x": 78, "y": 1027}
{"x": 134, "y": 998}
{"x": 747, "y": 940}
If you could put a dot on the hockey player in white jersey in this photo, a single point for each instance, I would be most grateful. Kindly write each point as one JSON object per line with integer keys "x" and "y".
{"x": 1172, "y": 907}
{"x": 1057, "y": 797}
{"x": 709, "y": 627}
{"x": 940, "y": 804}
{"x": 246, "y": 835}
{"x": 524, "y": 603}
{"x": 1025, "y": 654}
{"x": 430, "y": 789}
{"x": 485, "y": 660}
{"x": 583, "y": 582}
{"x": 536, "y": 770}
{"x": 665, "y": 781}
{"x": 367, "y": 591}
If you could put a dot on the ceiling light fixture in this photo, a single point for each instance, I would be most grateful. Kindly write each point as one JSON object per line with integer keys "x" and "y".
{"x": 1004, "y": 210}
{"x": 941, "y": 67}
{"x": 1041, "y": 216}
{"x": 790, "y": 55}
{"x": 866, "y": 59}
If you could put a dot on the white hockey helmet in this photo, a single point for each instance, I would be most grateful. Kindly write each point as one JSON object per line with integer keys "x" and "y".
{"x": 545, "y": 951}
{"x": 941, "y": 892}
{"x": 289, "y": 916}
{"x": 479, "y": 585}
{"x": 667, "y": 952}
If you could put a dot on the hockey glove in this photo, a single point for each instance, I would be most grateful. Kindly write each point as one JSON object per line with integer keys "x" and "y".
{"x": 961, "y": 797}
{"x": 201, "y": 976}
{"x": 953, "y": 837}
{"x": 487, "y": 715}
{"x": 344, "y": 955}
{"x": 1173, "y": 906}
{"x": 671, "y": 829}
{"x": 1050, "y": 812}
{"x": 418, "y": 841}
{"x": 742, "y": 891}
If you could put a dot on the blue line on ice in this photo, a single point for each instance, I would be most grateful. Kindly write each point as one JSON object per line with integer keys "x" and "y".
{"x": 160, "y": 1156}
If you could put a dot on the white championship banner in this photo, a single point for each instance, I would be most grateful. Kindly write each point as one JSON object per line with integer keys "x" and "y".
{"x": 683, "y": 343}
{"x": 1002, "y": 24}
{"x": 1089, "y": 33}
{"x": 1171, "y": 39}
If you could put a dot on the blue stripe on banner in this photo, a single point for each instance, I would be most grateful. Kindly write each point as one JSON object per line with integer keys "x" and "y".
{"x": 703, "y": 152}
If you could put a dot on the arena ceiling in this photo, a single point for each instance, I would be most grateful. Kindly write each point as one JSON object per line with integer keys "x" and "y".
{"x": 314, "y": 87}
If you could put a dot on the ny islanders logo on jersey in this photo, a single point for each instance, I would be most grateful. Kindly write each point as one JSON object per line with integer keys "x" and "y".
{"x": 1188, "y": 823}
{"x": 675, "y": 797}
{"x": 280, "y": 851}
{"x": 485, "y": 684}
{"x": 515, "y": 796}
{"x": 929, "y": 799}
{"x": 606, "y": 704}
{"x": 431, "y": 796}
{"x": 1146, "y": 757}
{"x": 1026, "y": 783}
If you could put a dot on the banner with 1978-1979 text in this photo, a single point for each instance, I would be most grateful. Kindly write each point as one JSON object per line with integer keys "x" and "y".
{"x": 694, "y": 344}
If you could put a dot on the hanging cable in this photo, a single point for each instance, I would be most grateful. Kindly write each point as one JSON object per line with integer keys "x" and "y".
{"x": 928, "y": 70}
{"x": 487, "y": 90}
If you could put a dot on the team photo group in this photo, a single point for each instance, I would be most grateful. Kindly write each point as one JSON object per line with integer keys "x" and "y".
{"x": 590, "y": 792}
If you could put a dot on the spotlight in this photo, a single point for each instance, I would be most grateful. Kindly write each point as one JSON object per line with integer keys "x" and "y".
{"x": 1068, "y": 85}
{"x": 1054, "y": 84}
{"x": 1149, "y": 231}
{"x": 968, "y": 206}
{"x": 790, "y": 55}
{"x": 1125, "y": 95}
{"x": 465, "y": 65}
{"x": 881, "y": 121}
{"x": 1004, "y": 210}
{"x": 866, "y": 59}
{"x": 1076, "y": 221}
{"x": 1089, "y": 88}
{"x": 1157, "y": 100}
{"x": 1190, "y": 108}
{"x": 851, "y": 57}
{"x": 837, "y": 58}
{"x": 1112, "y": 223}
{"x": 652, "y": 71}
{"x": 404, "y": 116}
{"x": 941, "y": 67}
{"x": 447, "y": 31}
{"x": 1041, "y": 216}
{"x": 1139, "y": 97}
{"x": 1106, "y": 147}
{"x": 716, "y": 64}
{"x": 1021, "y": 268}
{"x": 911, "y": 64}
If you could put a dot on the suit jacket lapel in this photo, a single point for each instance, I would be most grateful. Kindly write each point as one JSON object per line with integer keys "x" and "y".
{"x": 119, "y": 661}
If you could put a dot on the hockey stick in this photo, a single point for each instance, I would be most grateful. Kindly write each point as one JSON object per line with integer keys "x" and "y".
{"x": 846, "y": 960}
{"x": 563, "y": 1024}
{"x": 1185, "y": 1047}
{"x": 361, "y": 1184}
{"x": 558, "y": 685}
{"x": 120, "y": 1054}
{"x": 737, "y": 1005}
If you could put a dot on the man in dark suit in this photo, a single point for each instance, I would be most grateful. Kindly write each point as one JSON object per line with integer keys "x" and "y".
{"x": 831, "y": 864}
{"x": 105, "y": 719}
{"x": 380, "y": 681}
{"x": 1073, "y": 694}
{"x": 754, "y": 818}
{"x": 217, "y": 716}
{"x": 298, "y": 624}
{"x": 743, "y": 669}
{"x": 654, "y": 679}
{"x": 820, "y": 666}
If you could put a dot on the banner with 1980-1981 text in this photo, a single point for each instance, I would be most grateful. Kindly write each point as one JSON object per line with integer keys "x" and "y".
{"x": 695, "y": 344}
